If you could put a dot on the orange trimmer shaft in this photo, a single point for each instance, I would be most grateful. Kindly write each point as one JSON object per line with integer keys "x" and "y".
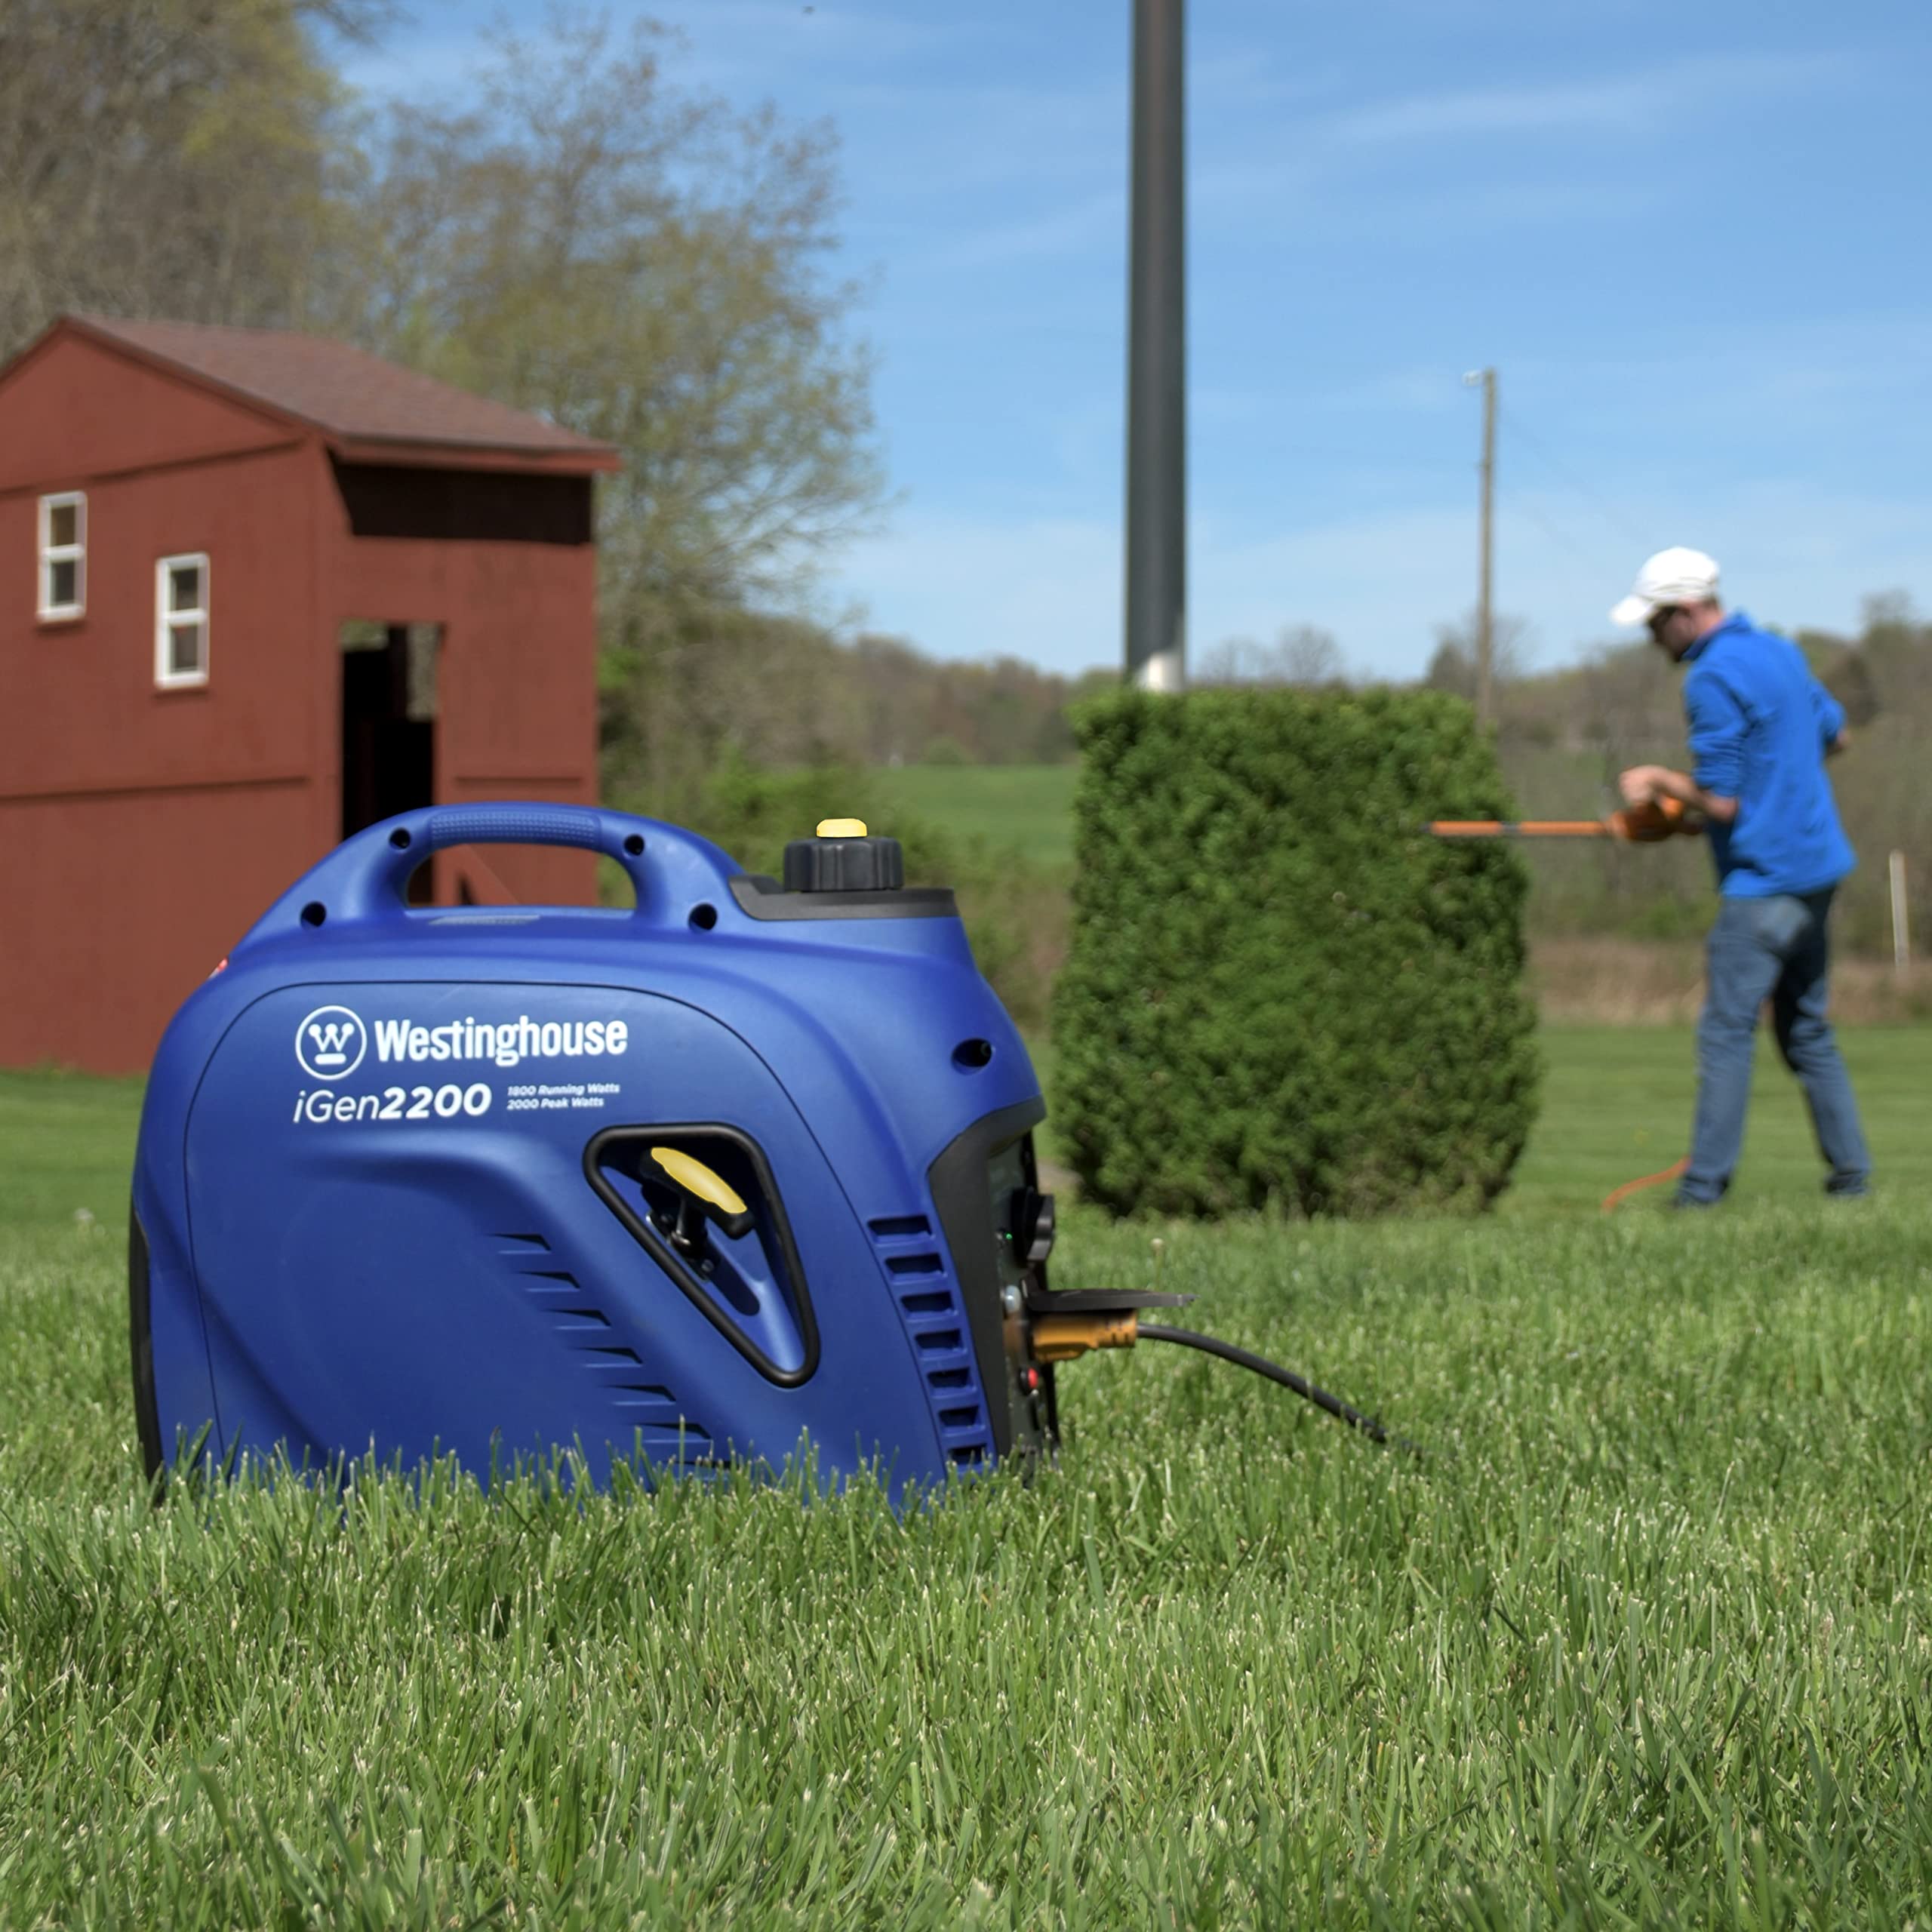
{"x": 1634, "y": 825}
{"x": 1528, "y": 828}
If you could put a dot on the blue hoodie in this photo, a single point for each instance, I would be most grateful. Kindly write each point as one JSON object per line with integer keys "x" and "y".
{"x": 1759, "y": 724}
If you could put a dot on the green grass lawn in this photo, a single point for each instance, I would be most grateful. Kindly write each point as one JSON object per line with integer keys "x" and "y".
{"x": 66, "y": 1146}
{"x": 1028, "y": 805}
{"x": 1643, "y": 1639}
{"x": 1617, "y": 1100}
{"x": 1616, "y": 1103}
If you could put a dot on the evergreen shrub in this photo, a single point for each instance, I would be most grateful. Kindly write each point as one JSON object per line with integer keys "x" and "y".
{"x": 1282, "y": 993}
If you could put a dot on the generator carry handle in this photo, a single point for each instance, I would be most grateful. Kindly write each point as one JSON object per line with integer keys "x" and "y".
{"x": 366, "y": 877}
{"x": 517, "y": 825}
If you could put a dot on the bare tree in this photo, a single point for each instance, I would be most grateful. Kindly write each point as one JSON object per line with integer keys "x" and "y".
{"x": 1303, "y": 656}
{"x": 1886, "y": 611}
{"x": 1306, "y": 655}
{"x": 164, "y": 157}
{"x": 646, "y": 265}
{"x": 1452, "y": 668}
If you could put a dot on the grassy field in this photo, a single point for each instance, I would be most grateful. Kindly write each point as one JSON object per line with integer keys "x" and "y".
{"x": 1028, "y": 805}
{"x": 1617, "y": 1104}
{"x": 1643, "y": 1638}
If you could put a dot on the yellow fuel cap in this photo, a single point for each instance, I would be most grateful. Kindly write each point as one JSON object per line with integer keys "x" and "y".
{"x": 841, "y": 828}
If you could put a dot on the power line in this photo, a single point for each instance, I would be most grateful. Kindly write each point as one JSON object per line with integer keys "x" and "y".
{"x": 1521, "y": 505}
{"x": 1359, "y": 454}
{"x": 1614, "y": 518}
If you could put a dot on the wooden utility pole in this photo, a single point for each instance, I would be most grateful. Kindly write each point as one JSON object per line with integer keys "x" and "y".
{"x": 1157, "y": 358}
{"x": 1901, "y": 931}
{"x": 1485, "y": 609}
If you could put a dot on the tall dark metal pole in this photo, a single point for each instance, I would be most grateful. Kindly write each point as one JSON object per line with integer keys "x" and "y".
{"x": 1157, "y": 360}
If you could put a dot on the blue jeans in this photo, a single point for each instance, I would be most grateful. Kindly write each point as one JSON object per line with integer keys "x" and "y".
{"x": 1772, "y": 949}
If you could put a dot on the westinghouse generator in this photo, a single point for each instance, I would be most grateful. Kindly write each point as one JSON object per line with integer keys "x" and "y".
{"x": 748, "y": 1166}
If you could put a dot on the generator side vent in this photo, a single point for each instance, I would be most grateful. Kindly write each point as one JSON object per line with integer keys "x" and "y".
{"x": 929, "y": 1305}
{"x": 652, "y": 1419}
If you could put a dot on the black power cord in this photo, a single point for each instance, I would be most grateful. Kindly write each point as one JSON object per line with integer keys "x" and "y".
{"x": 1274, "y": 1372}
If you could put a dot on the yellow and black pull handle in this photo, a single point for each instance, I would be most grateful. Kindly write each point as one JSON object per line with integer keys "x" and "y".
{"x": 702, "y": 1195}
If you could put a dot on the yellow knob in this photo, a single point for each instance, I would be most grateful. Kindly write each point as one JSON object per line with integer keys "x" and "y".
{"x": 841, "y": 828}
{"x": 695, "y": 1177}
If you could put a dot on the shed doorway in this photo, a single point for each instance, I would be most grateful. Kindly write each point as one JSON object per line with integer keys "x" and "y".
{"x": 388, "y": 725}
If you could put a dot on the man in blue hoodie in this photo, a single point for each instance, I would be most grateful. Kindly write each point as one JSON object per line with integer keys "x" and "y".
{"x": 1761, "y": 728}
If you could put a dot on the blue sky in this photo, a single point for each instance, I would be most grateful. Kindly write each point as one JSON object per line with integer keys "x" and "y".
{"x": 1693, "y": 240}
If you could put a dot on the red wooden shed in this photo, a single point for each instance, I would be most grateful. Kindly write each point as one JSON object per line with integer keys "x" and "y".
{"x": 258, "y": 589}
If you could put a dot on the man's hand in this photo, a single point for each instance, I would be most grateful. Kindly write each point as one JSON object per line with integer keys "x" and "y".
{"x": 1647, "y": 784}
{"x": 1644, "y": 784}
{"x": 1651, "y": 825}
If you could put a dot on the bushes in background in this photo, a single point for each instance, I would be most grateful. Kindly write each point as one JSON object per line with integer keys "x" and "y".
{"x": 1281, "y": 991}
{"x": 1013, "y": 907}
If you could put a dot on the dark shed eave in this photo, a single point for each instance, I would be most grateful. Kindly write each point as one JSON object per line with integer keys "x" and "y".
{"x": 404, "y": 453}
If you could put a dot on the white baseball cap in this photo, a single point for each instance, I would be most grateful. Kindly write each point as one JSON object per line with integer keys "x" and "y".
{"x": 1672, "y": 576}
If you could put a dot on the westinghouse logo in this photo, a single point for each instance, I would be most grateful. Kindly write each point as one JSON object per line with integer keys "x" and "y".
{"x": 508, "y": 1043}
{"x": 330, "y": 1044}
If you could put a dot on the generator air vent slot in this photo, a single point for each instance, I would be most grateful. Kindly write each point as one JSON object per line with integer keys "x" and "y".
{"x": 585, "y": 1331}
{"x": 926, "y": 1298}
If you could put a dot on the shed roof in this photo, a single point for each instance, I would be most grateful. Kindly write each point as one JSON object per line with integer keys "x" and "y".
{"x": 366, "y": 407}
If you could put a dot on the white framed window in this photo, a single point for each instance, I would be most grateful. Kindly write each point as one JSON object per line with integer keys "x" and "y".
{"x": 181, "y": 620}
{"x": 63, "y": 556}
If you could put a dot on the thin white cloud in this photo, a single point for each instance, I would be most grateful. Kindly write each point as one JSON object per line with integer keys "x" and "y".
{"x": 1648, "y": 99}
{"x": 1295, "y": 162}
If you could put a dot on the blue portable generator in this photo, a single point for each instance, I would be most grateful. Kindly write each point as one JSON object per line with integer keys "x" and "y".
{"x": 747, "y": 1167}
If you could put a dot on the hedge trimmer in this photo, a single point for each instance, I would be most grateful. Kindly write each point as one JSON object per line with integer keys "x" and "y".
{"x": 1634, "y": 825}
